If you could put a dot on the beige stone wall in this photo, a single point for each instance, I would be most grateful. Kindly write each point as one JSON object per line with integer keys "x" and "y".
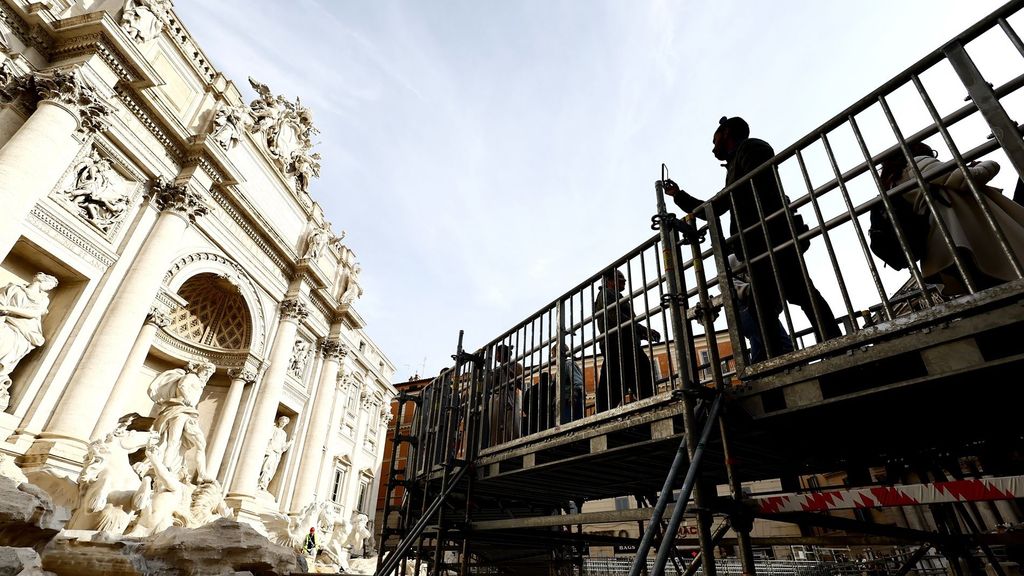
{"x": 157, "y": 151}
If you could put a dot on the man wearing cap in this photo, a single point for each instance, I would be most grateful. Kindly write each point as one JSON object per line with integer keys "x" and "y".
{"x": 742, "y": 154}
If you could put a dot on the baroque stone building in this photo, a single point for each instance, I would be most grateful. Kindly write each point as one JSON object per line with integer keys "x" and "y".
{"x": 174, "y": 229}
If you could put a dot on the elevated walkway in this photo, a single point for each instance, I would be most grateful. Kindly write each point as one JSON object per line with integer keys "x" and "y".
{"x": 919, "y": 388}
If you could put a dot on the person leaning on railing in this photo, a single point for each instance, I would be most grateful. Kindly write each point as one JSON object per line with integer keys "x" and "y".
{"x": 975, "y": 241}
{"x": 742, "y": 154}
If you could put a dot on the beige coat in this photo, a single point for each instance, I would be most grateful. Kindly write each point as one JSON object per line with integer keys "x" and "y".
{"x": 967, "y": 225}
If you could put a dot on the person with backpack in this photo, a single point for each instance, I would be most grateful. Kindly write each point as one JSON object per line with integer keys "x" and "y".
{"x": 975, "y": 241}
{"x": 742, "y": 154}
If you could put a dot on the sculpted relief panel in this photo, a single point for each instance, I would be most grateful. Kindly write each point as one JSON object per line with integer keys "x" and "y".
{"x": 96, "y": 192}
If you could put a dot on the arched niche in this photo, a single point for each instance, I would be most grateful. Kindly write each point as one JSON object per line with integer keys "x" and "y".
{"x": 200, "y": 263}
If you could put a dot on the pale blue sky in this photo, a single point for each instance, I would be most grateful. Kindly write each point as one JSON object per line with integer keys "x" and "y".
{"x": 485, "y": 156}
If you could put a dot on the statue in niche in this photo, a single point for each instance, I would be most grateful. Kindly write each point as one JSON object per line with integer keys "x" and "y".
{"x": 142, "y": 20}
{"x": 22, "y": 308}
{"x": 297, "y": 362}
{"x": 354, "y": 290}
{"x": 175, "y": 394}
{"x": 96, "y": 193}
{"x": 228, "y": 124}
{"x": 278, "y": 445}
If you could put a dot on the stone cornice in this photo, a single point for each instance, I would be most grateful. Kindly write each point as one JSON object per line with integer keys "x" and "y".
{"x": 181, "y": 350}
{"x": 31, "y": 34}
{"x": 225, "y": 204}
{"x": 176, "y": 147}
{"x": 98, "y": 33}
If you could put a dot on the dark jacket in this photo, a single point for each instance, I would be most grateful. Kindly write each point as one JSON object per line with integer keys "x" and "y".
{"x": 750, "y": 154}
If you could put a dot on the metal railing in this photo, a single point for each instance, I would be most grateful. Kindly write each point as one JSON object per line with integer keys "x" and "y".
{"x": 799, "y": 233}
{"x": 604, "y": 347}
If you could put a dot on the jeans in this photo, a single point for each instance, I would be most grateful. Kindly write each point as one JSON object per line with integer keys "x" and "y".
{"x": 751, "y": 331}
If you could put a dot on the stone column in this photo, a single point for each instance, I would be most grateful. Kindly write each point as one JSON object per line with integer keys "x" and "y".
{"x": 319, "y": 429}
{"x": 36, "y": 156}
{"x": 226, "y": 420}
{"x": 261, "y": 422}
{"x": 359, "y": 451}
{"x": 115, "y": 406}
{"x": 93, "y": 380}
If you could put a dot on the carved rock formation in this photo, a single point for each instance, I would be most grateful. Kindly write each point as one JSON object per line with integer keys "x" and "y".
{"x": 221, "y": 547}
{"x": 27, "y": 516}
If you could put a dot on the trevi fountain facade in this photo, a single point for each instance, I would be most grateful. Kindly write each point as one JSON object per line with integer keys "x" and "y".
{"x": 185, "y": 383}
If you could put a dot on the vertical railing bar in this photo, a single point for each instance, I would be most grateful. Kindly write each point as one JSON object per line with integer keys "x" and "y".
{"x": 1012, "y": 35}
{"x": 532, "y": 420}
{"x": 865, "y": 251}
{"x": 754, "y": 290}
{"x": 932, "y": 209}
{"x": 971, "y": 182}
{"x": 597, "y": 335}
{"x": 562, "y": 342}
{"x": 898, "y": 227}
{"x": 650, "y": 322}
{"x": 725, "y": 286}
{"x": 825, "y": 233}
{"x": 632, "y": 332}
{"x": 1004, "y": 130}
{"x": 517, "y": 396}
{"x": 673, "y": 378}
{"x": 775, "y": 270}
{"x": 790, "y": 221}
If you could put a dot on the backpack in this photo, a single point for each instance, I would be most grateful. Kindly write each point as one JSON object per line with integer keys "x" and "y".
{"x": 882, "y": 236}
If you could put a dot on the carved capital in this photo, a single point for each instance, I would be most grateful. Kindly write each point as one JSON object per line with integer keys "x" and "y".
{"x": 247, "y": 375}
{"x": 179, "y": 198}
{"x": 69, "y": 90}
{"x": 157, "y": 318}
{"x": 334, "y": 349}
{"x": 293, "y": 309}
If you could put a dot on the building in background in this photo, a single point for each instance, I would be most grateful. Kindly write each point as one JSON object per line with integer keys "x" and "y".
{"x": 156, "y": 227}
{"x": 401, "y": 456}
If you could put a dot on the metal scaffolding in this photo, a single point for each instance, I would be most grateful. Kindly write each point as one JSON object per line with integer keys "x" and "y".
{"x": 640, "y": 381}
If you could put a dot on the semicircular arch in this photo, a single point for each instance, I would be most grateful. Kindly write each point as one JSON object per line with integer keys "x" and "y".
{"x": 198, "y": 263}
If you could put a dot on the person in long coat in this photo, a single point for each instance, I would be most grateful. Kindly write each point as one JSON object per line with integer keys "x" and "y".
{"x": 975, "y": 241}
{"x": 626, "y": 372}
